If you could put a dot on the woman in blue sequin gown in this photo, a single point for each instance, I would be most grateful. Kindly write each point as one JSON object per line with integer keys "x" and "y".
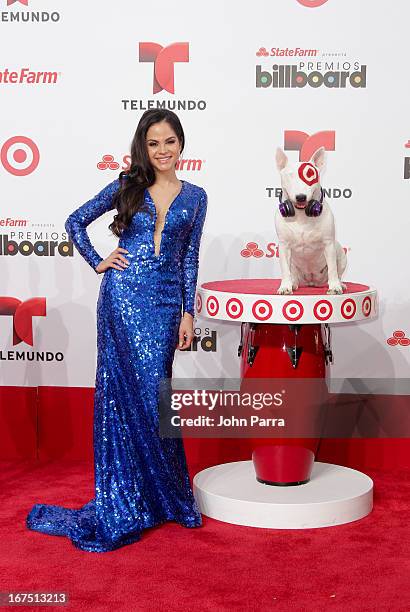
{"x": 145, "y": 307}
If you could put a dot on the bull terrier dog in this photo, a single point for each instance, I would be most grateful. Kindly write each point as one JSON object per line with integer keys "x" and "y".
{"x": 309, "y": 255}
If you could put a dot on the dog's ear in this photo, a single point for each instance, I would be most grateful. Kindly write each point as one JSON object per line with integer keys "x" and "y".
{"x": 318, "y": 158}
{"x": 281, "y": 159}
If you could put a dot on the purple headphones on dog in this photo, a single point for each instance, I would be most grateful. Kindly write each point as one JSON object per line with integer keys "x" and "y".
{"x": 313, "y": 209}
{"x": 309, "y": 174}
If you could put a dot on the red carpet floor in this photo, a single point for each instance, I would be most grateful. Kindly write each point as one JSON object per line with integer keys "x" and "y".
{"x": 361, "y": 566}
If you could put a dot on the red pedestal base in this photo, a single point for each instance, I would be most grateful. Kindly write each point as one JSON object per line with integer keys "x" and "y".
{"x": 283, "y": 465}
{"x": 283, "y": 351}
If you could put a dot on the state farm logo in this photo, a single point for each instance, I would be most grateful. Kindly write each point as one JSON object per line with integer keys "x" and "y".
{"x": 398, "y": 339}
{"x": 108, "y": 163}
{"x": 163, "y": 60}
{"x": 20, "y": 155}
{"x": 307, "y": 145}
{"x": 15, "y": 14}
{"x": 28, "y": 77}
{"x": 252, "y": 249}
{"x": 312, "y": 3}
{"x": 286, "y": 52}
{"x": 23, "y": 313}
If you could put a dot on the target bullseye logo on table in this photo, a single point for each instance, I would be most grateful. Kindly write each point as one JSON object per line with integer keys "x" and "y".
{"x": 212, "y": 305}
{"x": 293, "y": 310}
{"x": 198, "y": 302}
{"x": 20, "y": 155}
{"x": 262, "y": 310}
{"x": 323, "y": 310}
{"x": 234, "y": 308}
{"x": 366, "y": 306}
{"x": 348, "y": 309}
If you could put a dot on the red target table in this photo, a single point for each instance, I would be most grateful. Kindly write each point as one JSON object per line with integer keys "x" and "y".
{"x": 284, "y": 336}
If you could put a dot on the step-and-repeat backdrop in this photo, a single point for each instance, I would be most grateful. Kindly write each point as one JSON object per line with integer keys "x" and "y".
{"x": 75, "y": 78}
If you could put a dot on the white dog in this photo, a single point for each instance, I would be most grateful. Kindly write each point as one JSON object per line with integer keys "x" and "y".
{"x": 309, "y": 255}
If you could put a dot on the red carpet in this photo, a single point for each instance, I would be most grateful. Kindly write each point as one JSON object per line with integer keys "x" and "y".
{"x": 361, "y": 566}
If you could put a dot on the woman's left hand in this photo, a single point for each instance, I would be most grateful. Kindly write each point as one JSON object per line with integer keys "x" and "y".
{"x": 186, "y": 331}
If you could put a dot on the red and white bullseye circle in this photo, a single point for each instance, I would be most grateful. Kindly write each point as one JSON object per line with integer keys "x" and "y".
{"x": 366, "y": 306}
{"x": 20, "y": 155}
{"x": 212, "y": 305}
{"x": 198, "y": 302}
{"x": 323, "y": 310}
{"x": 308, "y": 173}
{"x": 293, "y": 310}
{"x": 234, "y": 308}
{"x": 348, "y": 309}
{"x": 262, "y": 310}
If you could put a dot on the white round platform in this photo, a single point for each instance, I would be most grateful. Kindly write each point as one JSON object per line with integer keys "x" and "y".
{"x": 335, "y": 495}
{"x": 256, "y": 300}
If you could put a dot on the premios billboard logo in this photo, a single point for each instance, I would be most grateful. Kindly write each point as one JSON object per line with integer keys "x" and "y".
{"x": 163, "y": 60}
{"x": 40, "y": 243}
{"x": 318, "y": 68}
{"x": 16, "y": 14}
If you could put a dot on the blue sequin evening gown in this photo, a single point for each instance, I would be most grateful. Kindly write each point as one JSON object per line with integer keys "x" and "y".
{"x": 141, "y": 479}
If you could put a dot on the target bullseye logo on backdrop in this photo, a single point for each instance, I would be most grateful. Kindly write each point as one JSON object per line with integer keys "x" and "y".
{"x": 312, "y": 3}
{"x": 164, "y": 60}
{"x": 20, "y": 155}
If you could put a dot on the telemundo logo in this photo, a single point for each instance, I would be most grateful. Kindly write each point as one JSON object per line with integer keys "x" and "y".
{"x": 288, "y": 76}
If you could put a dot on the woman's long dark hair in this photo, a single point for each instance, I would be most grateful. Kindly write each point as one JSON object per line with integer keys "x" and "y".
{"x": 129, "y": 198}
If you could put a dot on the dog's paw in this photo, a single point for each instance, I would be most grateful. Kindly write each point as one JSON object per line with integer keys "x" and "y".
{"x": 295, "y": 286}
{"x": 344, "y": 286}
{"x": 335, "y": 289}
{"x": 285, "y": 289}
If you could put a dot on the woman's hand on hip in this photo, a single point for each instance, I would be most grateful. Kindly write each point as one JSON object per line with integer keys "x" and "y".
{"x": 114, "y": 260}
{"x": 186, "y": 331}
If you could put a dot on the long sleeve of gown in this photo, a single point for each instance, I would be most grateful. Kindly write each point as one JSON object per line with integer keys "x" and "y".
{"x": 77, "y": 222}
{"x": 191, "y": 256}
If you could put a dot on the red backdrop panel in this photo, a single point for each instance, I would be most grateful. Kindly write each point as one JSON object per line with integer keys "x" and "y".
{"x": 56, "y": 423}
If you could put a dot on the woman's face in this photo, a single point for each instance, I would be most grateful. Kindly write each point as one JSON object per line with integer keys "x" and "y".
{"x": 163, "y": 146}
